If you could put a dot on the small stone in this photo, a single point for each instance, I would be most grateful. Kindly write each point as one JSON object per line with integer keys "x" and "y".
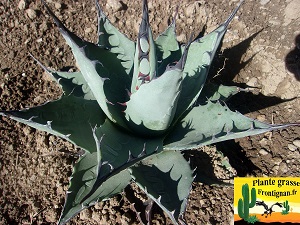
{"x": 150, "y": 5}
{"x": 27, "y": 130}
{"x": 189, "y": 21}
{"x": 115, "y": 5}
{"x": 84, "y": 215}
{"x": 181, "y": 38}
{"x": 296, "y": 143}
{"x": 291, "y": 12}
{"x": 201, "y": 202}
{"x": 88, "y": 30}
{"x": 277, "y": 160}
{"x": 263, "y": 141}
{"x": 283, "y": 167}
{"x": 263, "y": 152}
{"x": 136, "y": 26}
{"x": 97, "y": 206}
{"x": 31, "y": 13}
{"x": 96, "y": 216}
{"x": 292, "y": 147}
{"x": 44, "y": 26}
{"x": 263, "y": 2}
{"x": 252, "y": 82}
{"x": 50, "y": 216}
{"x": 261, "y": 118}
{"x": 22, "y": 5}
{"x": 11, "y": 55}
{"x": 104, "y": 211}
{"x": 57, "y": 5}
{"x": 190, "y": 10}
{"x": 275, "y": 169}
{"x": 103, "y": 221}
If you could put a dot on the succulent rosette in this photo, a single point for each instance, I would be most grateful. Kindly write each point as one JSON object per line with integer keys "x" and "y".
{"x": 133, "y": 107}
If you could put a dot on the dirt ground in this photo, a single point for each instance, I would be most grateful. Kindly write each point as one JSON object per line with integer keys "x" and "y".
{"x": 261, "y": 49}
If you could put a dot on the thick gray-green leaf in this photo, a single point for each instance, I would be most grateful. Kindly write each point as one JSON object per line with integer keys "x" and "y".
{"x": 167, "y": 48}
{"x": 82, "y": 180}
{"x": 214, "y": 92}
{"x": 151, "y": 109}
{"x": 166, "y": 178}
{"x": 145, "y": 61}
{"x": 69, "y": 117}
{"x": 118, "y": 149}
{"x": 211, "y": 123}
{"x": 199, "y": 59}
{"x": 102, "y": 71}
{"x": 110, "y": 37}
{"x": 72, "y": 83}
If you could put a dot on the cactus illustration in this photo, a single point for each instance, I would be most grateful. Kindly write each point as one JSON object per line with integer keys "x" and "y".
{"x": 252, "y": 219}
{"x": 244, "y": 204}
{"x": 287, "y": 208}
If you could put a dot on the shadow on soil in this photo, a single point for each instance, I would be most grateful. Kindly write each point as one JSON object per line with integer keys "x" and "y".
{"x": 244, "y": 102}
{"x": 292, "y": 59}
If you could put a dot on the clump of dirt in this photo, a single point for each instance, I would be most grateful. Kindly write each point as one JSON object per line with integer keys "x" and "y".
{"x": 261, "y": 50}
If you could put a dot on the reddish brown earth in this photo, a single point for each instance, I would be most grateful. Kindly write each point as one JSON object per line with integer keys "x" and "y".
{"x": 261, "y": 49}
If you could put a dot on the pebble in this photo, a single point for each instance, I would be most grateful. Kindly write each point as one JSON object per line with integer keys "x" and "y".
{"x": 292, "y": 147}
{"x": 261, "y": 118}
{"x": 263, "y": 2}
{"x": 263, "y": 141}
{"x": 57, "y": 5}
{"x": 88, "y": 30}
{"x": 181, "y": 38}
{"x": 275, "y": 169}
{"x": 22, "y": 4}
{"x": 252, "y": 82}
{"x": 115, "y": 5}
{"x": 11, "y": 54}
{"x": 292, "y": 12}
{"x": 98, "y": 206}
{"x": 296, "y": 143}
{"x": 190, "y": 10}
{"x": 44, "y": 26}
{"x": 31, "y": 13}
{"x": 26, "y": 130}
{"x": 84, "y": 215}
{"x": 283, "y": 167}
{"x": 277, "y": 160}
{"x": 201, "y": 202}
{"x": 104, "y": 211}
{"x": 189, "y": 21}
{"x": 263, "y": 152}
{"x": 96, "y": 216}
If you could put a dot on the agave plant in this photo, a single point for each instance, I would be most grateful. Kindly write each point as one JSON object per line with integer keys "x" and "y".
{"x": 133, "y": 108}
